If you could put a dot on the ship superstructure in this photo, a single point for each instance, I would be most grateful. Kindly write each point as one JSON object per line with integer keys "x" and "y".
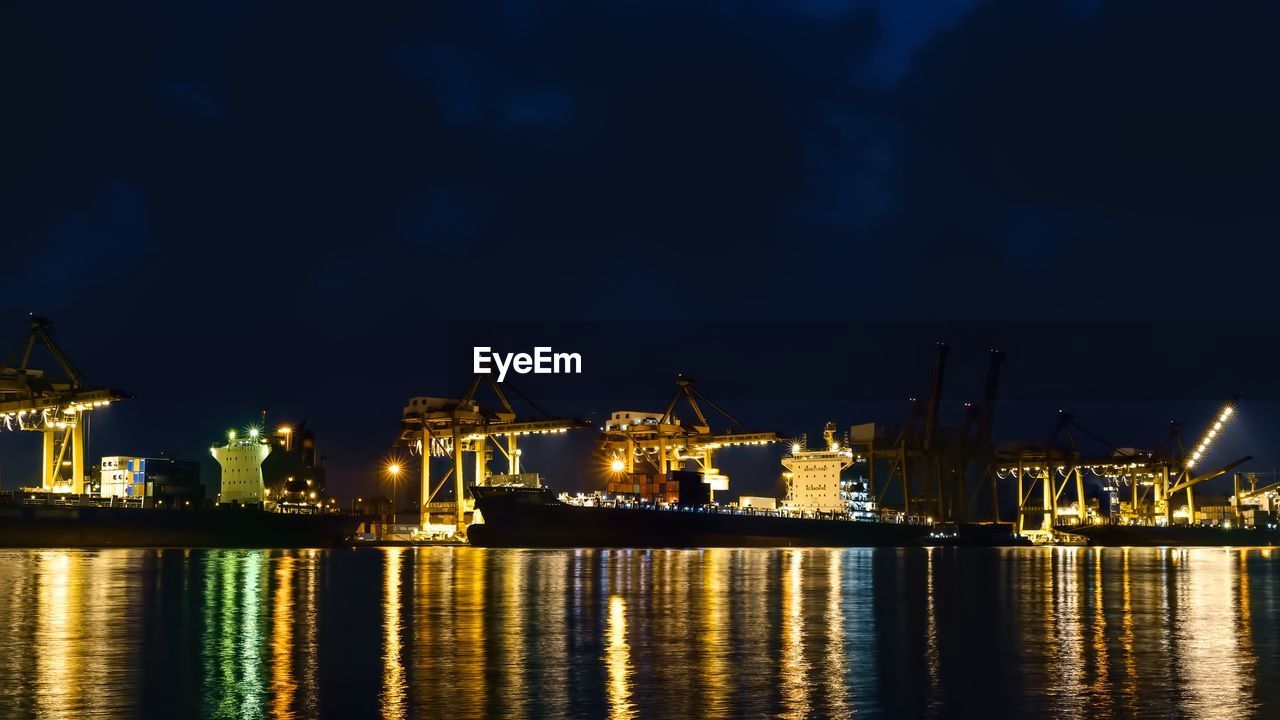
{"x": 816, "y": 482}
{"x": 241, "y": 460}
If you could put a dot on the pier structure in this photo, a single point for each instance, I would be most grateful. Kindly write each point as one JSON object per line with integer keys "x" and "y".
{"x": 55, "y": 402}
{"x": 450, "y": 429}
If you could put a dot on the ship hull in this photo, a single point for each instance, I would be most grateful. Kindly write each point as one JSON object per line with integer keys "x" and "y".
{"x": 1177, "y": 536}
{"x": 531, "y": 518}
{"x": 97, "y": 527}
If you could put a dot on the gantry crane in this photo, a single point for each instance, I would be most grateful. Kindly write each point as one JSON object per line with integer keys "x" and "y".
{"x": 1058, "y": 464}
{"x": 448, "y": 428}
{"x": 57, "y": 407}
{"x": 634, "y": 442}
{"x": 931, "y": 463}
{"x": 1188, "y": 460}
{"x": 1266, "y": 494}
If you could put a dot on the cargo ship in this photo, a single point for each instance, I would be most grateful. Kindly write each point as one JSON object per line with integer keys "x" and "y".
{"x": 822, "y": 509}
{"x": 157, "y": 502}
{"x": 534, "y": 517}
{"x": 66, "y": 526}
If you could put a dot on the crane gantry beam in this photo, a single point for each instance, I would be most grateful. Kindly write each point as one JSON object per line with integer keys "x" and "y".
{"x": 56, "y": 406}
{"x": 664, "y": 441}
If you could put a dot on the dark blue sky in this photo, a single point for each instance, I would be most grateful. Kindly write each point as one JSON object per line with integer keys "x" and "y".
{"x": 225, "y": 206}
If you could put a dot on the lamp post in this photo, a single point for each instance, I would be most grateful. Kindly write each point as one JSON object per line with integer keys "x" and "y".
{"x": 393, "y": 474}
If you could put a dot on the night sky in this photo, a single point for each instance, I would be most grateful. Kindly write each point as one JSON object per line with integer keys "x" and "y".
{"x": 230, "y": 206}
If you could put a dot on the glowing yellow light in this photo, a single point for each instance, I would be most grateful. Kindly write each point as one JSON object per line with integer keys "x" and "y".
{"x": 284, "y": 430}
{"x": 253, "y": 432}
{"x": 231, "y": 435}
{"x": 795, "y": 448}
{"x": 313, "y": 496}
{"x": 617, "y": 465}
{"x": 393, "y": 469}
{"x": 1226, "y": 413}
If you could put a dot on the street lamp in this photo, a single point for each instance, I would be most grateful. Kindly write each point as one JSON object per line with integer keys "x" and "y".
{"x": 393, "y": 470}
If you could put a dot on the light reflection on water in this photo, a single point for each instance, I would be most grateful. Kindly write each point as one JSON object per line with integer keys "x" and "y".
{"x": 418, "y": 633}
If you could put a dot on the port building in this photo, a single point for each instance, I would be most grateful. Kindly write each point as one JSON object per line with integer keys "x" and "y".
{"x": 154, "y": 478}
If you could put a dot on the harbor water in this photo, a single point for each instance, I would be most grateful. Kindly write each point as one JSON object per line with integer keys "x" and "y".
{"x": 460, "y": 632}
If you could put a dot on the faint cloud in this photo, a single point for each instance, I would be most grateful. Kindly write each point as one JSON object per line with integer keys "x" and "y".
{"x": 97, "y": 244}
{"x": 1080, "y": 10}
{"x": 825, "y": 8}
{"x": 1037, "y": 238}
{"x": 194, "y": 100}
{"x": 851, "y": 170}
{"x": 906, "y": 26}
{"x": 341, "y": 269}
{"x": 441, "y": 218}
{"x": 467, "y": 97}
{"x": 546, "y": 107}
{"x": 449, "y": 75}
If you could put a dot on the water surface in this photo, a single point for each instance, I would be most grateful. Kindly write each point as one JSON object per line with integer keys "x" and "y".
{"x": 461, "y": 632}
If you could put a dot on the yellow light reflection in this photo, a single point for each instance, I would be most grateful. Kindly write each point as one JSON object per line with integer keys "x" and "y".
{"x": 283, "y": 686}
{"x": 393, "y": 684}
{"x": 1068, "y": 629}
{"x": 310, "y": 639}
{"x": 1246, "y": 607}
{"x": 837, "y": 664}
{"x": 795, "y": 669}
{"x": 1101, "y": 652}
{"x": 468, "y": 625}
{"x": 1218, "y": 677}
{"x": 512, "y": 646}
{"x": 1127, "y": 637}
{"x": 432, "y": 569}
{"x": 550, "y": 586}
{"x": 59, "y": 604}
{"x": 931, "y": 634}
{"x": 713, "y": 634}
{"x": 618, "y": 660}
